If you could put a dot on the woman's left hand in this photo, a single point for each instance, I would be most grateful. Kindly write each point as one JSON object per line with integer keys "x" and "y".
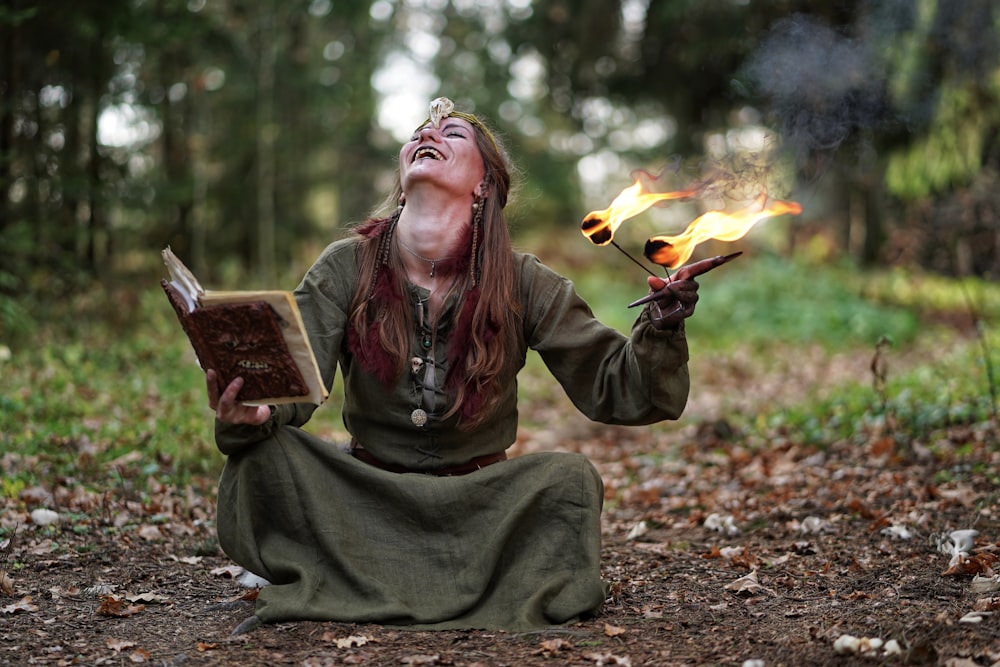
{"x": 677, "y": 305}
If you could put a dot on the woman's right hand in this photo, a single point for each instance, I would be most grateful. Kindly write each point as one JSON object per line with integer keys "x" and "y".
{"x": 226, "y": 405}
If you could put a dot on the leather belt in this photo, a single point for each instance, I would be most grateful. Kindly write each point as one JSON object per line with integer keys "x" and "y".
{"x": 362, "y": 454}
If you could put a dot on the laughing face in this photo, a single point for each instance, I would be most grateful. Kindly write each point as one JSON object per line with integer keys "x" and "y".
{"x": 447, "y": 157}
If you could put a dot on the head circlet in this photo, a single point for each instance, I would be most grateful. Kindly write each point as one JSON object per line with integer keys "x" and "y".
{"x": 440, "y": 108}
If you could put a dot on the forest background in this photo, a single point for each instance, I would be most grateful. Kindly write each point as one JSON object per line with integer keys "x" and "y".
{"x": 245, "y": 134}
{"x": 843, "y": 369}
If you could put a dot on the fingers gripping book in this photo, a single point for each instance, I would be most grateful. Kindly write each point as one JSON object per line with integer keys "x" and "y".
{"x": 254, "y": 334}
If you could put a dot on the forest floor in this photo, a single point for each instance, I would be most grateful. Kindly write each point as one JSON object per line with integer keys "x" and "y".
{"x": 717, "y": 551}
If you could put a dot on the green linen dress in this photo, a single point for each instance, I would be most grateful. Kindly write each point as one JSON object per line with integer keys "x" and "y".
{"x": 512, "y": 546}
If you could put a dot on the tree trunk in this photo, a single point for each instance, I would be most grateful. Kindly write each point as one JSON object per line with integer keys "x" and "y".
{"x": 266, "y": 130}
{"x": 9, "y": 78}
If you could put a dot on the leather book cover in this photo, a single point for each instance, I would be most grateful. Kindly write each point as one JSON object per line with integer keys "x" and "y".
{"x": 244, "y": 339}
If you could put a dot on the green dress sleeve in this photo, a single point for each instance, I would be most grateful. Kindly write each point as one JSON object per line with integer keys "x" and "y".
{"x": 610, "y": 377}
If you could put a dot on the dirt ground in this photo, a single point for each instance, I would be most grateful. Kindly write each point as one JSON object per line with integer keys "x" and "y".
{"x": 717, "y": 552}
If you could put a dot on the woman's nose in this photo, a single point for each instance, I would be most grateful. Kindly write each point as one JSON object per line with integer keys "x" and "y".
{"x": 429, "y": 131}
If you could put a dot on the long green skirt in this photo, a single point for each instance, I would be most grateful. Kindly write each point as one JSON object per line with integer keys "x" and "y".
{"x": 513, "y": 546}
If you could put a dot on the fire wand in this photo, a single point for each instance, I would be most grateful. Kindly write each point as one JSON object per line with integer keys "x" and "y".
{"x": 686, "y": 272}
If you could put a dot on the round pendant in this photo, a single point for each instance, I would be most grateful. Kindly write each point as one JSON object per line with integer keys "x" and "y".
{"x": 418, "y": 417}
{"x": 427, "y": 341}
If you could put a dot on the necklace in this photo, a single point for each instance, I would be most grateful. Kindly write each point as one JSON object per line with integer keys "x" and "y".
{"x": 432, "y": 262}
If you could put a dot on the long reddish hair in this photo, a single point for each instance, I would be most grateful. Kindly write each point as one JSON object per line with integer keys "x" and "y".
{"x": 484, "y": 336}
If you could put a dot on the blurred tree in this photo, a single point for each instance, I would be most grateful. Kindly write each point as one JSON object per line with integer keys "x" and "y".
{"x": 243, "y": 130}
{"x": 55, "y": 210}
{"x": 854, "y": 88}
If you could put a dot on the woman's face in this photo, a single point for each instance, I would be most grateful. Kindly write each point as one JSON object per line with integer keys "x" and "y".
{"x": 447, "y": 157}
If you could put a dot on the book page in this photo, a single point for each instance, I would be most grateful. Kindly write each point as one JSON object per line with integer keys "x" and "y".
{"x": 182, "y": 279}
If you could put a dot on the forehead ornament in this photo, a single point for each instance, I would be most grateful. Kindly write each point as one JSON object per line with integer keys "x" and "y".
{"x": 440, "y": 108}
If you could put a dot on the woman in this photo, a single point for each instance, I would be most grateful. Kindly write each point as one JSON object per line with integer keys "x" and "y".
{"x": 429, "y": 313}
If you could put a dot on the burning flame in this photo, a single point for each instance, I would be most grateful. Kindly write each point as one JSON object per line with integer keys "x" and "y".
{"x": 673, "y": 251}
{"x": 600, "y": 226}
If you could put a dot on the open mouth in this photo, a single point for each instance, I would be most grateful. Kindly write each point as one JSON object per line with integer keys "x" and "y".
{"x": 426, "y": 152}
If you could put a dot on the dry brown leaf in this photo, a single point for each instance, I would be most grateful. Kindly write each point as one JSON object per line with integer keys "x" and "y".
{"x": 205, "y": 646}
{"x": 550, "y": 646}
{"x": 139, "y": 655}
{"x": 117, "y": 645}
{"x": 6, "y": 584}
{"x": 232, "y": 571}
{"x": 607, "y": 659}
{"x": 59, "y": 592}
{"x": 980, "y": 564}
{"x": 151, "y": 533}
{"x": 345, "y": 642}
{"x": 613, "y": 630}
{"x": 747, "y": 584}
{"x": 987, "y": 604}
{"x": 112, "y": 605}
{"x": 24, "y": 604}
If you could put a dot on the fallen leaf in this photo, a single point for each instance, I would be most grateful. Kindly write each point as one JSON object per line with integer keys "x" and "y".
{"x": 980, "y": 564}
{"x": 747, "y": 584}
{"x": 987, "y": 604}
{"x": 550, "y": 646}
{"x": 723, "y": 524}
{"x": 151, "y": 533}
{"x": 6, "y": 584}
{"x": 603, "y": 659}
{"x": 99, "y": 590}
{"x": 420, "y": 659}
{"x": 59, "y": 592}
{"x": 232, "y": 571}
{"x": 985, "y": 584}
{"x": 139, "y": 655}
{"x": 24, "y": 604}
{"x": 975, "y": 617}
{"x": 638, "y": 530}
{"x": 613, "y": 630}
{"x": 44, "y": 517}
{"x": 117, "y": 645}
{"x": 112, "y": 605}
{"x": 151, "y": 598}
{"x": 204, "y": 646}
{"x": 345, "y": 642}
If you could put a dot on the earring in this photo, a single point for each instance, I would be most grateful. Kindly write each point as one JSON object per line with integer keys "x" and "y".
{"x": 478, "y": 207}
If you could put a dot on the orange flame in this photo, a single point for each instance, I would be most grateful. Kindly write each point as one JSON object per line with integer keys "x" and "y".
{"x": 673, "y": 251}
{"x": 600, "y": 226}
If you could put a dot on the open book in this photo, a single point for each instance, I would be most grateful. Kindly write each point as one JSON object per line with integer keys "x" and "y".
{"x": 256, "y": 335}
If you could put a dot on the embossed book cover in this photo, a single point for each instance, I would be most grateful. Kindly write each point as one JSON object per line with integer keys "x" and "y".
{"x": 257, "y": 335}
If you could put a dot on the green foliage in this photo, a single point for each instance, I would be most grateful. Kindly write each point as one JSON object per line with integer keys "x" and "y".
{"x": 949, "y": 155}
{"x": 768, "y": 302}
{"x": 105, "y": 390}
{"x": 914, "y": 406}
